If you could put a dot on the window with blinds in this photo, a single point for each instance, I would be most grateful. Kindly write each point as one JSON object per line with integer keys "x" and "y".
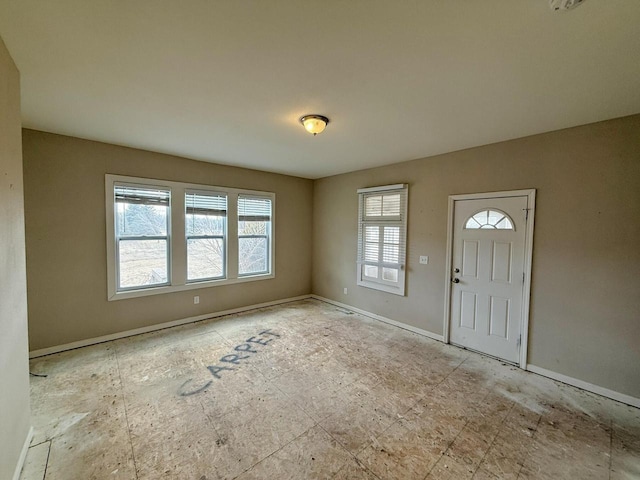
{"x": 206, "y": 232}
{"x": 254, "y": 235}
{"x": 142, "y": 236}
{"x": 165, "y": 236}
{"x": 382, "y": 230}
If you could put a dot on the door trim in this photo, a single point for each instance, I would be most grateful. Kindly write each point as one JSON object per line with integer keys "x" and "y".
{"x": 528, "y": 255}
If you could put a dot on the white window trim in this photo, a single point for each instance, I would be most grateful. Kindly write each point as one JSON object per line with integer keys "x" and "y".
{"x": 394, "y": 288}
{"x": 225, "y": 236}
{"x": 269, "y": 235}
{"x": 178, "y": 243}
{"x": 169, "y": 240}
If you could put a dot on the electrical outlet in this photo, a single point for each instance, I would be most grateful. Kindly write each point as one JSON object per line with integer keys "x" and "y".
{"x": 345, "y": 290}
{"x": 424, "y": 259}
{"x": 196, "y": 299}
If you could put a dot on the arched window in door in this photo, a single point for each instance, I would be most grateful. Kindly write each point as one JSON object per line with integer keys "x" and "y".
{"x": 489, "y": 219}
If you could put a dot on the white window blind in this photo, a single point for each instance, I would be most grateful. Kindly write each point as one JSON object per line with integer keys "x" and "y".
{"x": 382, "y": 227}
{"x": 206, "y": 204}
{"x": 253, "y": 209}
{"x": 141, "y": 195}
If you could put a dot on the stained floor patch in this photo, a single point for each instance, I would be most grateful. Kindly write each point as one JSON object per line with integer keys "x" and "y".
{"x": 305, "y": 390}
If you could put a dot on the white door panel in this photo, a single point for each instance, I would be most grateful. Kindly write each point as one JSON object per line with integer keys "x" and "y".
{"x": 499, "y": 317}
{"x": 468, "y": 310}
{"x": 501, "y": 267}
{"x": 488, "y": 267}
{"x": 470, "y": 259}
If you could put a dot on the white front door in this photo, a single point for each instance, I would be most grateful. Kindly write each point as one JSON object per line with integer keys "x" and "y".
{"x": 488, "y": 275}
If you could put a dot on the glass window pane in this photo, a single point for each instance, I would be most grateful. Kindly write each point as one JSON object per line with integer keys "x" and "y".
{"x": 252, "y": 228}
{"x": 205, "y": 214}
{"x": 254, "y": 208}
{"x": 390, "y": 274}
{"x": 205, "y": 258}
{"x": 489, "y": 219}
{"x": 371, "y": 252}
{"x": 197, "y": 224}
{"x": 252, "y": 255}
{"x": 504, "y": 224}
{"x": 472, "y": 223}
{"x": 390, "y": 254}
{"x": 494, "y": 217}
{"x": 372, "y": 234}
{"x": 391, "y": 205}
{"x": 481, "y": 217}
{"x": 134, "y": 219}
{"x": 370, "y": 271}
{"x": 392, "y": 235}
{"x": 142, "y": 263}
{"x": 373, "y": 206}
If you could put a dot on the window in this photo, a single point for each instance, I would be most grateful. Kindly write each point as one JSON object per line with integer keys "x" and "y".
{"x": 489, "y": 219}
{"x": 382, "y": 230}
{"x": 167, "y": 236}
{"x": 206, "y": 227}
{"x": 254, "y": 231}
{"x": 142, "y": 239}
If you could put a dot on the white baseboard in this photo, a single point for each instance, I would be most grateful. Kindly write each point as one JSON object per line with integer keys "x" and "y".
{"x": 375, "y": 316}
{"x": 160, "y": 326}
{"x": 23, "y": 454}
{"x": 590, "y": 387}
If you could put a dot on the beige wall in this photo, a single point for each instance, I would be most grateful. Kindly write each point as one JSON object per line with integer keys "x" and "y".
{"x": 585, "y": 310}
{"x": 66, "y": 242}
{"x": 14, "y": 365}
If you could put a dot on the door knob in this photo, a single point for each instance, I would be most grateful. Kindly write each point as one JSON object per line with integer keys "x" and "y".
{"x": 456, "y": 270}
{"x": 456, "y": 280}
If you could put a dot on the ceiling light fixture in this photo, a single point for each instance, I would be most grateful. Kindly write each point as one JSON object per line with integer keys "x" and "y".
{"x": 314, "y": 123}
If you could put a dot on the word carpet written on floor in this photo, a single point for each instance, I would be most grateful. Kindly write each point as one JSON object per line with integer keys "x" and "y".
{"x": 244, "y": 351}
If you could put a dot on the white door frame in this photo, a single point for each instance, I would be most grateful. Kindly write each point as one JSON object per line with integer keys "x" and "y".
{"x": 528, "y": 255}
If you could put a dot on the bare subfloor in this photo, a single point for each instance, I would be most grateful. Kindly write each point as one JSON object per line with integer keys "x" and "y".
{"x": 306, "y": 390}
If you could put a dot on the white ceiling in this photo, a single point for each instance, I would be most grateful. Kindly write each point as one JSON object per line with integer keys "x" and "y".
{"x": 226, "y": 81}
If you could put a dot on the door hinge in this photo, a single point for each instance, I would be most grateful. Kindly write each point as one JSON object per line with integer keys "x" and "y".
{"x": 519, "y": 341}
{"x": 526, "y": 213}
{"x": 522, "y": 277}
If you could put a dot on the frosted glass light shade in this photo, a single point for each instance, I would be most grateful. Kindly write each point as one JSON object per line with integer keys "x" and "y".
{"x": 314, "y": 123}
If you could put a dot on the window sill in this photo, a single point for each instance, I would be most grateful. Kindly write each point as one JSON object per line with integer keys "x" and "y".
{"x": 396, "y": 290}
{"x": 145, "y": 292}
